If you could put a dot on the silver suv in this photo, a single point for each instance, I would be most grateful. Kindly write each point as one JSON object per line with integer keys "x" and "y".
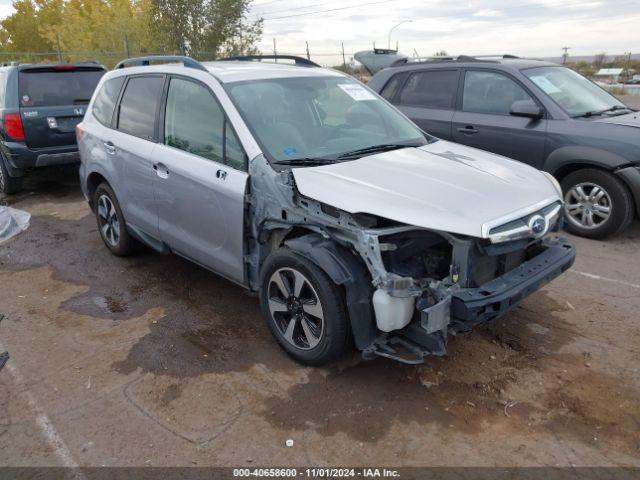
{"x": 302, "y": 184}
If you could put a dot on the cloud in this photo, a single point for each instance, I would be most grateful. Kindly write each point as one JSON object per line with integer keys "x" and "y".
{"x": 487, "y": 13}
{"x": 5, "y": 9}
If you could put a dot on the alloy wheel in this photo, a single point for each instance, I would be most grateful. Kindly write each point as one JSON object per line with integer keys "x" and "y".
{"x": 587, "y": 205}
{"x": 295, "y": 308}
{"x": 108, "y": 218}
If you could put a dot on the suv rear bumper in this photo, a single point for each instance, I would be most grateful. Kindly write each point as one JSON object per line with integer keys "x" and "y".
{"x": 20, "y": 157}
{"x": 470, "y": 307}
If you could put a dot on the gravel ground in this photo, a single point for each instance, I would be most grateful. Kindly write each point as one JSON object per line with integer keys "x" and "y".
{"x": 151, "y": 360}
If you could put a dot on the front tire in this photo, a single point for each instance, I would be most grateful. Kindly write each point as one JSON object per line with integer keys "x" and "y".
{"x": 304, "y": 309}
{"x": 597, "y": 203}
{"x": 111, "y": 223}
{"x": 8, "y": 185}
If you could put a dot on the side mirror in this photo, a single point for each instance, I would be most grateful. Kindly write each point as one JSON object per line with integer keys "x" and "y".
{"x": 526, "y": 108}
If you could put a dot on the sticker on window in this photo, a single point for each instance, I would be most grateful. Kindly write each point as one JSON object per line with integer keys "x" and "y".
{"x": 545, "y": 84}
{"x": 290, "y": 151}
{"x": 357, "y": 92}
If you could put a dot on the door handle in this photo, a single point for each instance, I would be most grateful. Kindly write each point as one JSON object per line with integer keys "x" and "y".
{"x": 469, "y": 130}
{"x": 110, "y": 148}
{"x": 161, "y": 170}
{"x": 221, "y": 174}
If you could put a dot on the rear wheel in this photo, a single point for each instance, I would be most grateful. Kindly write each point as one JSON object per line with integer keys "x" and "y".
{"x": 8, "y": 185}
{"x": 111, "y": 222}
{"x": 304, "y": 309}
{"x": 597, "y": 204}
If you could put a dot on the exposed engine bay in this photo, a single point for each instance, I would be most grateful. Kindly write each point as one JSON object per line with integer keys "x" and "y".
{"x": 406, "y": 287}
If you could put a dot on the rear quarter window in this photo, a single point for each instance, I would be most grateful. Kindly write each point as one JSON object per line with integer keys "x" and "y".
{"x": 105, "y": 102}
{"x": 48, "y": 87}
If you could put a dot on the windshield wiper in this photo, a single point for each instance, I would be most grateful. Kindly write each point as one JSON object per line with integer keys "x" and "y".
{"x": 600, "y": 112}
{"x": 385, "y": 147}
{"x": 306, "y": 162}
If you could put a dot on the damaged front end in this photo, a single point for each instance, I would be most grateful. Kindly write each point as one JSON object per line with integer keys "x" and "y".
{"x": 406, "y": 288}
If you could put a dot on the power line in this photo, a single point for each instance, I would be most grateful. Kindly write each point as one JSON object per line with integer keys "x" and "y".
{"x": 330, "y": 10}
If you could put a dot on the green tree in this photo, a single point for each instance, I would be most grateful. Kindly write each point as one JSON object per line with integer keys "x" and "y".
{"x": 204, "y": 28}
{"x": 20, "y": 32}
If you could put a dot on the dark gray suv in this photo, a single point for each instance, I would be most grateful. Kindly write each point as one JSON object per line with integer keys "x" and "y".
{"x": 536, "y": 112}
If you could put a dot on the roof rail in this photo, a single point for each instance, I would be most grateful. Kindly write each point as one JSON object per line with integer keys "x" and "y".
{"x": 459, "y": 58}
{"x": 143, "y": 61}
{"x": 299, "y": 61}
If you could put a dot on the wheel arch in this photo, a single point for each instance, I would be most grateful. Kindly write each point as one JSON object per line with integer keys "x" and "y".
{"x": 565, "y": 160}
{"x": 347, "y": 271}
{"x": 93, "y": 180}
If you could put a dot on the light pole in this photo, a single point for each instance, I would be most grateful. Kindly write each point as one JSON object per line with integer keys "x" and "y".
{"x": 393, "y": 28}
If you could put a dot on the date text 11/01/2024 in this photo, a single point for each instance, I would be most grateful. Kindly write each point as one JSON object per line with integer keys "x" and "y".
{"x": 317, "y": 472}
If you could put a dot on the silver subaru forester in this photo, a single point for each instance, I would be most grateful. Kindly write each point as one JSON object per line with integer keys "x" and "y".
{"x": 300, "y": 183}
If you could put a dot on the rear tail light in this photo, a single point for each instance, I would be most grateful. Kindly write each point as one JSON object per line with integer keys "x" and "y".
{"x": 79, "y": 131}
{"x": 13, "y": 126}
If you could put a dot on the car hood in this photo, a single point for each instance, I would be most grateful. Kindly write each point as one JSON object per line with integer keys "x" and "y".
{"x": 440, "y": 186}
{"x": 628, "y": 120}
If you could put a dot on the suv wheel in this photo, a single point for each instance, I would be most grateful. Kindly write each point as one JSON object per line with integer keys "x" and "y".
{"x": 597, "y": 204}
{"x": 111, "y": 222}
{"x": 8, "y": 185}
{"x": 304, "y": 309}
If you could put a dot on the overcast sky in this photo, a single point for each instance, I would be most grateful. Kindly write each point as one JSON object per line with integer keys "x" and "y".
{"x": 523, "y": 27}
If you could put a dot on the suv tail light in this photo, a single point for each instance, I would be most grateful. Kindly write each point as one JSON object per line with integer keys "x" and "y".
{"x": 79, "y": 131}
{"x": 13, "y": 126}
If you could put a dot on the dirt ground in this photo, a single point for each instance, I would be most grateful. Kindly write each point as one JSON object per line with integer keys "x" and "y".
{"x": 151, "y": 360}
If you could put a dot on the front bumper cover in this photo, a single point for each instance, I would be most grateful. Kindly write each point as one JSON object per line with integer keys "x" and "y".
{"x": 493, "y": 299}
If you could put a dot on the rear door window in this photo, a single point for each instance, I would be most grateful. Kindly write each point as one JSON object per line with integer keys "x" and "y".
{"x": 491, "y": 92}
{"x": 431, "y": 89}
{"x": 139, "y": 105}
{"x": 48, "y": 87}
{"x": 105, "y": 102}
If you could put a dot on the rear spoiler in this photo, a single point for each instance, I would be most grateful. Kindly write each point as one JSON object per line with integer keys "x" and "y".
{"x": 60, "y": 67}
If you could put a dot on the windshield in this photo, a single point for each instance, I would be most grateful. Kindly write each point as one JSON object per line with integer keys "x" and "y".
{"x": 574, "y": 93}
{"x": 319, "y": 118}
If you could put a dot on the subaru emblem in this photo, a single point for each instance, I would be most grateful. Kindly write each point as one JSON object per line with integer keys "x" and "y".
{"x": 538, "y": 225}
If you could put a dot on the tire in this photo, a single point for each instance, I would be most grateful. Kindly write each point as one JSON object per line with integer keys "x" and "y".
{"x": 111, "y": 224}
{"x": 8, "y": 185}
{"x": 318, "y": 335}
{"x": 604, "y": 198}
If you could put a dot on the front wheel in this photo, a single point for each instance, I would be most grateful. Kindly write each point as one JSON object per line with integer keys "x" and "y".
{"x": 597, "y": 204}
{"x": 304, "y": 309}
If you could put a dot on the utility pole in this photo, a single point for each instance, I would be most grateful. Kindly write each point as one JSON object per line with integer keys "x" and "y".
{"x": 344, "y": 61}
{"x": 58, "y": 44}
{"x": 275, "y": 50}
{"x": 565, "y": 55}
{"x": 625, "y": 73}
{"x": 308, "y": 55}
